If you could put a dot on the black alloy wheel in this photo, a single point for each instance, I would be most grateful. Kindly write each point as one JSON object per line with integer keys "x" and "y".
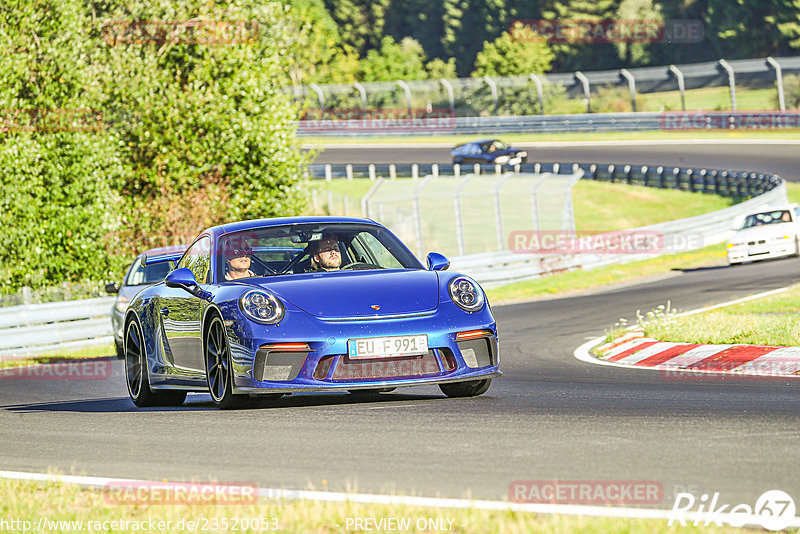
{"x": 219, "y": 374}
{"x": 136, "y": 374}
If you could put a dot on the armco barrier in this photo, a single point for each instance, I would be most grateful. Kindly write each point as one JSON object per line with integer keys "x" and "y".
{"x": 38, "y": 328}
{"x": 719, "y": 182}
{"x": 575, "y": 123}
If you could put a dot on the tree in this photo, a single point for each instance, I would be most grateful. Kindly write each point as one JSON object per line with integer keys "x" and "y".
{"x": 576, "y": 56}
{"x": 394, "y": 61}
{"x": 320, "y": 56}
{"x": 128, "y": 124}
{"x": 210, "y": 133}
{"x": 60, "y": 166}
{"x": 361, "y": 22}
{"x": 637, "y": 54}
{"x": 516, "y": 52}
{"x": 441, "y": 69}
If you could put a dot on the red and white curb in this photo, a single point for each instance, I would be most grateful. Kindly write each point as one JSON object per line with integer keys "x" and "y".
{"x": 633, "y": 350}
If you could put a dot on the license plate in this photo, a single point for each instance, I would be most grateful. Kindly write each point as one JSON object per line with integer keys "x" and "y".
{"x": 387, "y": 347}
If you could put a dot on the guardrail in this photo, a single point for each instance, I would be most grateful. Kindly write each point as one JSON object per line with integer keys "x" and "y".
{"x": 463, "y": 97}
{"x": 38, "y": 328}
{"x": 530, "y": 124}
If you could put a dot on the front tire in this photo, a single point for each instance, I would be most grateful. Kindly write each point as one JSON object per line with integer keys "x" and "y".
{"x": 471, "y": 388}
{"x": 219, "y": 375}
{"x": 137, "y": 376}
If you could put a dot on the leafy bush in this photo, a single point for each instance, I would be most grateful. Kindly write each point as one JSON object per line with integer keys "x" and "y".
{"x": 611, "y": 99}
{"x": 118, "y": 136}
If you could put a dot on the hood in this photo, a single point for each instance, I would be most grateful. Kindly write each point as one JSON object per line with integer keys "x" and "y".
{"x": 767, "y": 231}
{"x": 353, "y": 293}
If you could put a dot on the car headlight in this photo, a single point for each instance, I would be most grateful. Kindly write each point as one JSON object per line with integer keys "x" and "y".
{"x": 781, "y": 237}
{"x": 466, "y": 293}
{"x": 501, "y": 159}
{"x": 122, "y": 304}
{"x": 262, "y": 307}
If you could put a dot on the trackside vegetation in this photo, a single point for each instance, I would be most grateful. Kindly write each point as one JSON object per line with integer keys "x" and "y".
{"x": 125, "y": 127}
{"x": 770, "y": 320}
{"x": 54, "y": 501}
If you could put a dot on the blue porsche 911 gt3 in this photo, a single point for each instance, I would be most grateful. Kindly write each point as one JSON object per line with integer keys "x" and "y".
{"x": 298, "y": 304}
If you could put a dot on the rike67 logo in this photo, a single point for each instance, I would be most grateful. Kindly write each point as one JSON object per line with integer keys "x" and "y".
{"x": 774, "y": 510}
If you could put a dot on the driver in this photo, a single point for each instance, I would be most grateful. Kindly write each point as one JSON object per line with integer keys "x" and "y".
{"x": 237, "y": 262}
{"x": 325, "y": 254}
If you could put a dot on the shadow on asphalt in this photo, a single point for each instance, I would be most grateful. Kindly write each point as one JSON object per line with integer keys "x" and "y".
{"x": 702, "y": 269}
{"x": 738, "y": 265}
{"x": 203, "y": 403}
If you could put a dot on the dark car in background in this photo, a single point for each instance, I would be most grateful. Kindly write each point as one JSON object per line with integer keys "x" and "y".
{"x": 139, "y": 276}
{"x": 488, "y": 151}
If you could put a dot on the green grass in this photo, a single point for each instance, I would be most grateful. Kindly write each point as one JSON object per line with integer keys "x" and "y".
{"x": 581, "y": 280}
{"x": 793, "y": 191}
{"x": 710, "y": 99}
{"x": 31, "y": 501}
{"x": 770, "y": 320}
{"x": 98, "y": 351}
{"x": 596, "y": 204}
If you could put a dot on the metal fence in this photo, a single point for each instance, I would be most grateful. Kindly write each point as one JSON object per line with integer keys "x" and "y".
{"x": 66, "y": 291}
{"x": 675, "y": 236}
{"x": 40, "y": 328}
{"x": 534, "y": 93}
{"x": 473, "y": 213}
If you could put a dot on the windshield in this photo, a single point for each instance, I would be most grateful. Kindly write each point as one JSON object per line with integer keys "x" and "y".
{"x": 768, "y": 217}
{"x": 151, "y": 274}
{"x": 304, "y": 248}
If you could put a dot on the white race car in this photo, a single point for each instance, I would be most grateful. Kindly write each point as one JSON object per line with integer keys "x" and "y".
{"x": 765, "y": 235}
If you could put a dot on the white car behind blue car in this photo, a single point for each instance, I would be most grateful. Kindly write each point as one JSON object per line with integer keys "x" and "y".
{"x": 767, "y": 234}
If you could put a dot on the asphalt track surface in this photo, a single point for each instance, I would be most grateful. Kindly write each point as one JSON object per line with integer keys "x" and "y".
{"x": 549, "y": 417}
{"x": 773, "y": 158}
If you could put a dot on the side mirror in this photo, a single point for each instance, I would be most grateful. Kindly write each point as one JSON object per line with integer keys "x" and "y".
{"x": 182, "y": 278}
{"x": 437, "y": 262}
{"x": 112, "y": 288}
